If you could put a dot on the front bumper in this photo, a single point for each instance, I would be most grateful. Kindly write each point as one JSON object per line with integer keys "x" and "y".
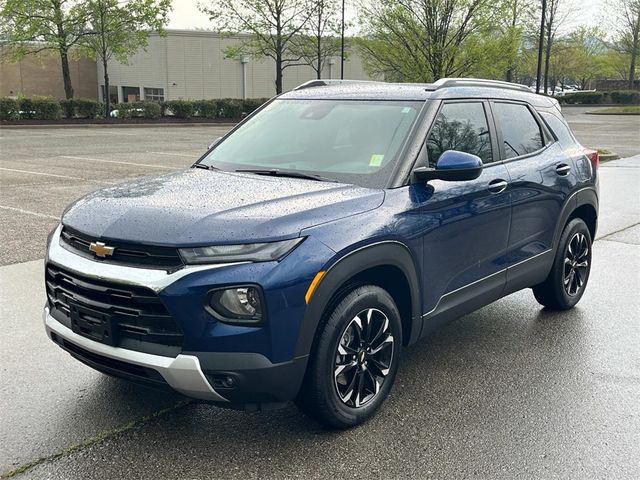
{"x": 255, "y": 381}
{"x": 182, "y": 373}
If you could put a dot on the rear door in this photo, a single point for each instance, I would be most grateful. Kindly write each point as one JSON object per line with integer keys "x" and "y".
{"x": 469, "y": 221}
{"x": 541, "y": 178}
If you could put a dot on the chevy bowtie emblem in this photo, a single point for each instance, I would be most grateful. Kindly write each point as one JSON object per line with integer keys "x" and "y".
{"x": 100, "y": 249}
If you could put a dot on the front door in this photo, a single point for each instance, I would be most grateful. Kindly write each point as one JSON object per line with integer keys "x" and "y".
{"x": 467, "y": 222}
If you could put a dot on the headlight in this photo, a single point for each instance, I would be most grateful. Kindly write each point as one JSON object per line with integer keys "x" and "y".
{"x": 240, "y": 304}
{"x": 253, "y": 252}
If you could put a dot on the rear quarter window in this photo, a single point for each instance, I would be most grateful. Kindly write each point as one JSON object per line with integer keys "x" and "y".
{"x": 559, "y": 128}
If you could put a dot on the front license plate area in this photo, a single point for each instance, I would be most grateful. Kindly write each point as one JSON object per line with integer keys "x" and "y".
{"x": 92, "y": 324}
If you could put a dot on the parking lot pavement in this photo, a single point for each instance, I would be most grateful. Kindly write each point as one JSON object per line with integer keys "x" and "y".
{"x": 508, "y": 391}
{"x": 44, "y": 170}
{"x": 616, "y": 133}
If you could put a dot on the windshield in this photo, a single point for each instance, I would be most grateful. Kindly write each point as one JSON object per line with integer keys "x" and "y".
{"x": 348, "y": 141}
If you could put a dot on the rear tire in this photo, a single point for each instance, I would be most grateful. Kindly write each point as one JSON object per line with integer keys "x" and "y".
{"x": 569, "y": 274}
{"x": 354, "y": 361}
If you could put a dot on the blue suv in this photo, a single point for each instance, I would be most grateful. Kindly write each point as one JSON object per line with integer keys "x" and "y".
{"x": 335, "y": 225}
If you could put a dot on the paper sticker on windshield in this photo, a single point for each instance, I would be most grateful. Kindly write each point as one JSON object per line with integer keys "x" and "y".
{"x": 376, "y": 160}
{"x": 406, "y": 109}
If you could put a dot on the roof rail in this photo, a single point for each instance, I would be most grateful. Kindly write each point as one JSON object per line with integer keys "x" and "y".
{"x": 327, "y": 82}
{"x": 477, "y": 82}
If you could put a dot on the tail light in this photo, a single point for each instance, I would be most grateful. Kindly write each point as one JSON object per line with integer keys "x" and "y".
{"x": 593, "y": 157}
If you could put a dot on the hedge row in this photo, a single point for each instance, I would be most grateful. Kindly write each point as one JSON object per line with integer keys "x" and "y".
{"x": 41, "y": 108}
{"x": 623, "y": 97}
{"x": 82, "y": 108}
{"x": 46, "y": 108}
{"x": 220, "y": 108}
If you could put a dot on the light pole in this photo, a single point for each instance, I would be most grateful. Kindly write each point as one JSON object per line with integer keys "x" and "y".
{"x": 342, "y": 45}
{"x": 541, "y": 46}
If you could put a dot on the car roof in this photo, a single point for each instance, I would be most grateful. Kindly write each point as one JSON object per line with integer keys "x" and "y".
{"x": 447, "y": 88}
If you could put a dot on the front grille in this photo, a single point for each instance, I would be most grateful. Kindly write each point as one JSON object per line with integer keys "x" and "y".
{"x": 129, "y": 254}
{"x": 115, "y": 314}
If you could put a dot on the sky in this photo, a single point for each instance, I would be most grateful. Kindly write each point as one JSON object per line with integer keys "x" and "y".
{"x": 186, "y": 15}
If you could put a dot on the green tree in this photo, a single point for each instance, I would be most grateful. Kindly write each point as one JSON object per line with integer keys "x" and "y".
{"x": 33, "y": 26}
{"x": 554, "y": 18}
{"x": 514, "y": 19}
{"x": 422, "y": 40}
{"x": 320, "y": 39}
{"x": 270, "y": 25}
{"x": 585, "y": 55}
{"x": 119, "y": 28}
{"x": 628, "y": 23}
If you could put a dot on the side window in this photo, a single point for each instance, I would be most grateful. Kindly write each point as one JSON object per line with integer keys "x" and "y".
{"x": 521, "y": 133}
{"x": 463, "y": 127}
{"x": 559, "y": 128}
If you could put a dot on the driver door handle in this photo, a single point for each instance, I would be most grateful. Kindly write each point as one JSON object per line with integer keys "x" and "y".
{"x": 498, "y": 185}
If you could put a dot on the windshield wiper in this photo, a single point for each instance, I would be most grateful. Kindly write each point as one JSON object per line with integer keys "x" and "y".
{"x": 205, "y": 167}
{"x": 285, "y": 173}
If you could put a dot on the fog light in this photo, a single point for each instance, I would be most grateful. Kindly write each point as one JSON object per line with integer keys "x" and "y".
{"x": 238, "y": 304}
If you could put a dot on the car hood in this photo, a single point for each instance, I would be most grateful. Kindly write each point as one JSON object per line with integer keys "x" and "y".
{"x": 200, "y": 207}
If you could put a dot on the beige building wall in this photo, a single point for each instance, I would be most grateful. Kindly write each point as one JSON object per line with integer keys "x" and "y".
{"x": 192, "y": 65}
{"x": 41, "y": 74}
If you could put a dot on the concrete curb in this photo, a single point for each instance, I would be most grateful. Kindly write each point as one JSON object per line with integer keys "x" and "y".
{"x": 115, "y": 125}
{"x": 609, "y": 157}
{"x": 612, "y": 113}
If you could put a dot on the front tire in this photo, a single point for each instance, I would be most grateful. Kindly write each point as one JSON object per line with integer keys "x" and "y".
{"x": 354, "y": 360}
{"x": 569, "y": 275}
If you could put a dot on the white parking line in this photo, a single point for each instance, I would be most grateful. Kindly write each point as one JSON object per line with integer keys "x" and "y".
{"x": 118, "y": 162}
{"x": 55, "y": 175}
{"x": 194, "y": 157}
{"x": 35, "y": 214}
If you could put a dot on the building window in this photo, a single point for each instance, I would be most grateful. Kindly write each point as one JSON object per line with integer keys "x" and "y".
{"x": 154, "y": 94}
{"x": 130, "y": 94}
{"x": 113, "y": 94}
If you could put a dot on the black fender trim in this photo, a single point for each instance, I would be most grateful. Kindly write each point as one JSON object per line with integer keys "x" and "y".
{"x": 579, "y": 198}
{"x": 386, "y": 253}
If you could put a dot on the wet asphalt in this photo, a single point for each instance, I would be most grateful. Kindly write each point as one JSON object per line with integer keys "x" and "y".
{"x": 510, "y": 391}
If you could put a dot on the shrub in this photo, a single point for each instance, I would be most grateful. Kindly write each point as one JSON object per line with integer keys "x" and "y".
{"x": 88, "y": 108}
{"x": 588, "y": 98}
{"x": 251, "y": 104}
{"x": 229, "y": 108}
{"x": 26, "y": 108}
{"x": 181, "y": 108}
{"x": 9, "y": 108}
{"x": 626, "y": 97}
{"x": 43, "y": 108}
{"x": 125, "y": 110}
{"x": 68, "y": 107}
{"x": 163, "y": 108}
{"x": 205, "y": 108}
{"x": 150, "y": 109}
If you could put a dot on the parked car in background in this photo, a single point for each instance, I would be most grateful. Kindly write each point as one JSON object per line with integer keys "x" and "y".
{"x": 335, "y": 225}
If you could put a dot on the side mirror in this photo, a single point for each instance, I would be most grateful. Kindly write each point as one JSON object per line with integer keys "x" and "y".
{"x": 214, "y": 142}
{"x": 452, "y": 166}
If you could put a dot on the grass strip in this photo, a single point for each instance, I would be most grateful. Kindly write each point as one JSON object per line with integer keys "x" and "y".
{"x": 99, "y": 438}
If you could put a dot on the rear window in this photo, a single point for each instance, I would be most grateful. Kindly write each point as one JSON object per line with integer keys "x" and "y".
{"x": 521, "y": 133}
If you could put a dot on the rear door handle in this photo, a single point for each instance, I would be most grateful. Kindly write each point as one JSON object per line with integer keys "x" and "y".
{"x": 563, "y": 169}
{"x": 498, "y": 185}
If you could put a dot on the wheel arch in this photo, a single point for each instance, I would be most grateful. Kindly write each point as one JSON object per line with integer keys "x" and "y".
{"x": 581, "y": 204}
{"x": 389, "y": 265}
